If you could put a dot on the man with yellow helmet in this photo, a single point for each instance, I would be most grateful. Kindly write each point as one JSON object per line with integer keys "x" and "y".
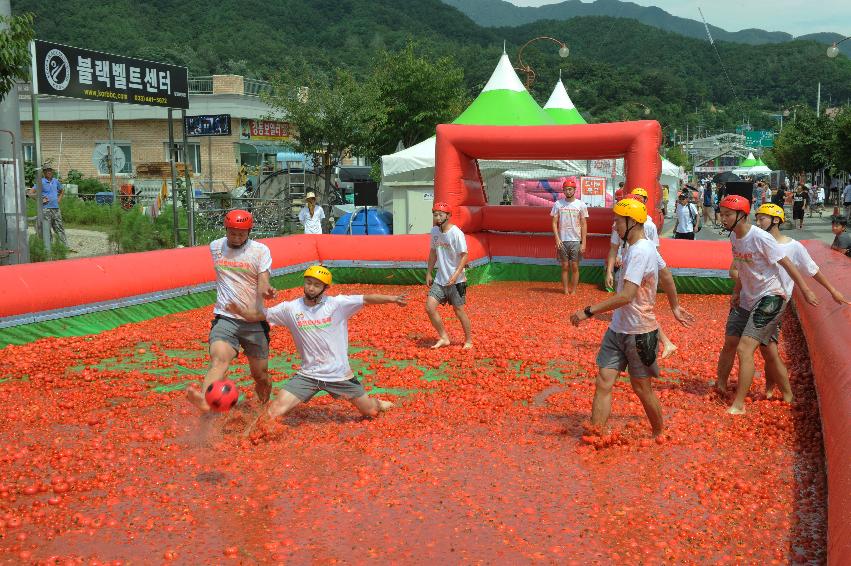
{"x": 614, "y": 260}
{"x": 320, "y": 330}
{"x": 631, "y": 340}
{"x": 770, "y": 217}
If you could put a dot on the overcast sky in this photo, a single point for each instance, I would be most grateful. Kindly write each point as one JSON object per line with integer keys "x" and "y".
{"x": 797, "y": 17}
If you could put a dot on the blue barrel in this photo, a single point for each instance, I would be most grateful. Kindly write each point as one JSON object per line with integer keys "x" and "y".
{"x": 105, "y": 197}
{"x": 375, "y": 223}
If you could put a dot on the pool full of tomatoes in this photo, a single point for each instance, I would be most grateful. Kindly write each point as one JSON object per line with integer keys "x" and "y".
{"x": 487, "y": 456}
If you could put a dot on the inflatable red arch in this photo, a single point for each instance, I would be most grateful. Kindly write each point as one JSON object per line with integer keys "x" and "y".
{"x": 457, "y": 180}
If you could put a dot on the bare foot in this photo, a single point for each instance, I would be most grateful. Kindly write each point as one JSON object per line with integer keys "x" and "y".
{"x": 261, "y": 417}
{"x": 263, "y": 390}
{"x": 384, "y": 405}
{"x": 467, "y": 346}
{"x": 194, "y": 395}
{"x": 441, "y": 343}
{"x": 720, "y": 387}
{"x": 788, "y": 397}
{"x": 668, "y": 348}
{"x": 733, "y": 410}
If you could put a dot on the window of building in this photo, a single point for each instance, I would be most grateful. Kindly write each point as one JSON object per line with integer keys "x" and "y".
{"x": 123, "y": 163}
{"x": 194, "y": 155}
{"x": 28, "y": 149}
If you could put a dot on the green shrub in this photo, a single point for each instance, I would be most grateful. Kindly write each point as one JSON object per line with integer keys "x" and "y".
{"x": 90, "y": 186}
{"x": 38, "y": 251}
{"x": 85, "y": 212}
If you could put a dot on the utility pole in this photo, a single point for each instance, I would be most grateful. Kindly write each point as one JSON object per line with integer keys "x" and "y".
{"x": 818, "y": 100}
{"x": 14, "y": 244}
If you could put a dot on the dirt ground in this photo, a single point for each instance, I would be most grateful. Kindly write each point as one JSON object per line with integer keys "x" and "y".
{"x": 85, "y": 242}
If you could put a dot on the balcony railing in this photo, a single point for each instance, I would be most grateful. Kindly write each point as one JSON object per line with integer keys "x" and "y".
{"x": 200, "y": 85}
{"x": 256, "y": 87}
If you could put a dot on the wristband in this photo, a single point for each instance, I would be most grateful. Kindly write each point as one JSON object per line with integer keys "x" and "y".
{"x": 588, "y": 312}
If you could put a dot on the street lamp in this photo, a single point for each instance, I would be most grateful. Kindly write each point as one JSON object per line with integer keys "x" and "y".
{"x": 833, "y": 50}
{"x": 563, "y": 52}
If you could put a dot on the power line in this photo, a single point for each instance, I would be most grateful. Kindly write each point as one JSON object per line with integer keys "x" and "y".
{"x": 718, "y": 55}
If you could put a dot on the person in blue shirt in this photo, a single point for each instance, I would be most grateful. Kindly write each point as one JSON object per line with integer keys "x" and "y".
{"x": 51, "y": 194}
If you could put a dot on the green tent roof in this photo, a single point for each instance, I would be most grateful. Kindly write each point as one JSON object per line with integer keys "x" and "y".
{"x": 561, "y": 109}
{"x": 749, "y": 162}
{"x": 504, "y": 102}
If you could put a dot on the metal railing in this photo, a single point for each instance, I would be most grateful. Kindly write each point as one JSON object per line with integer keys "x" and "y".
{"x": 200, "y": 85}
{"x": 256, "y": 87}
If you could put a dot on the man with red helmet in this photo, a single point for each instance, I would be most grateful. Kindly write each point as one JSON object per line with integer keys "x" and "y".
{"x": 570, "y": 229}
{"x": 449, "y": 253}
{"x": 242, "y": 278}
{"x": 758, "y": 298}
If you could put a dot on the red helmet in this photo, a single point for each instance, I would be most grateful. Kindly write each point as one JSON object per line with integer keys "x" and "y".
{"x": 441, "y": 207}
{"x": 568, "y": 183}
{"x": 736, "y": 202}
{"x": 239, "y": 219}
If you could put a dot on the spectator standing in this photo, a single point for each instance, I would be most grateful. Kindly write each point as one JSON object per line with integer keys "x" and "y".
{"x": 685, "y": 227}
{"x": 311, "y": 216}
{"x": 800, "y": 204}
{"x": 51, "y": 196}
{"x": 846, "y": 199}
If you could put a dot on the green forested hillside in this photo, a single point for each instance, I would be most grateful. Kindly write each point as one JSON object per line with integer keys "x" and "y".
{"x": 614, "y": 63}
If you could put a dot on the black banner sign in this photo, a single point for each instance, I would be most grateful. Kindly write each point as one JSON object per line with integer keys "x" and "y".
{"x": 61, "y": 70}
{"x": 215, "y": 125}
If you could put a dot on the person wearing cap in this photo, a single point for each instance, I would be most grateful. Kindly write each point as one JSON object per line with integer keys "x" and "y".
{"x": 51, "y": 196}
{"x": 310, "y": 215}
{"x": 686, "y": 224}
{"x": 758, "y": 299}
{"x": 570, "y": 228}
{"x": 243, "y": 274}
{"x": 616, "y": 244}
{"x": 631, "y": 341}
{"x": 841, "y": 237}
{"x": 770, "y": 217}
{"x": 448, "y": 252}
{"x": 319, "y": 324}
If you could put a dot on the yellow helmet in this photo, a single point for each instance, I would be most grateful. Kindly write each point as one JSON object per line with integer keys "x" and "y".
{"x": 770, "y": 209}
{"x": 631, "y": 208}
{"x": 640, "y": 192}
{"x": 319, "y": 272}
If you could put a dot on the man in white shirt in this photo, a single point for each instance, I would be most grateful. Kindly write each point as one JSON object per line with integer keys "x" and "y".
{"x": 311, "y": 216}
{"x": 570, "y": 229}
{"x": 685, "y": 212}
{"x": 449, "y": 252}
{"x": 631, "y": 341}
{"x": 758, "y": 299}
{"x": 319, "y": 325}
{"x": 846, "y": 199}
{"x": 770, "y": 217}
{"x": 242, "y": 278}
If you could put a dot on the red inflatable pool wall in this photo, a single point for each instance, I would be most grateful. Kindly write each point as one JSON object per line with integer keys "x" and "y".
{"x": 827, "y": 328}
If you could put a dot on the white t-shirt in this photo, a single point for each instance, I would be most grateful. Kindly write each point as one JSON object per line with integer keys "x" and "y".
{"x": 641, "y": 265}
{"x": 237, "y": 273}
{"x": 449, "y": 247}
{"x": 320, "y": 333}
{"x": 755, "y": 256}
{"x": 312, "y": 224}
{"x": 686, "y": 217}
{"x": 569, "y": 214}
{"x": 800, "y": 258}
{"x": 650, "y": 232}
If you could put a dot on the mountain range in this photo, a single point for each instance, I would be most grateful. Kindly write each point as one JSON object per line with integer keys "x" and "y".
{"x": 499, "y": 13}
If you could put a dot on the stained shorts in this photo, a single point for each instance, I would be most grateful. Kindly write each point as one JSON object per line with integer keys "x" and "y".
{"x": 253, "y": 337}
{"x": 455, "y": 295}
{"x": 304, "y": 388}
{"x": 634, "y": 352}
{"x": 570, "y": 251}
{"x": 762, "y": 323}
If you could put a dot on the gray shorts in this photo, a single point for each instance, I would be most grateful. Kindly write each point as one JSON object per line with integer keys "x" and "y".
{"x": 304, "y": 388}
{"x": 570, "y": 251}
{"x": 455, "y": 295}
{"x": 252, "y": 336}
{"x": 635, "y": 352}
{"x": 762, "y": 323}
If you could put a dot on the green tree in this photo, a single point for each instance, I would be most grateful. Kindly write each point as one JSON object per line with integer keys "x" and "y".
{"x": 418, "y": 93}
{"x": 677, "y": 156}
{"x": 841, "y": 142}
{"x": 15, "y": 34}
{"x": 331, "y": 119}
{"x": 806, "y": 144}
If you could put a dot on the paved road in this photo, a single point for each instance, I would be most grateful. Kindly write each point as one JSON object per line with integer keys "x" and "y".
{"x": 815, "y": 228}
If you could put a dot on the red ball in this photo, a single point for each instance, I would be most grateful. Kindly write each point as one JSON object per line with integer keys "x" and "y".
{"x": 222, "y": 395}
